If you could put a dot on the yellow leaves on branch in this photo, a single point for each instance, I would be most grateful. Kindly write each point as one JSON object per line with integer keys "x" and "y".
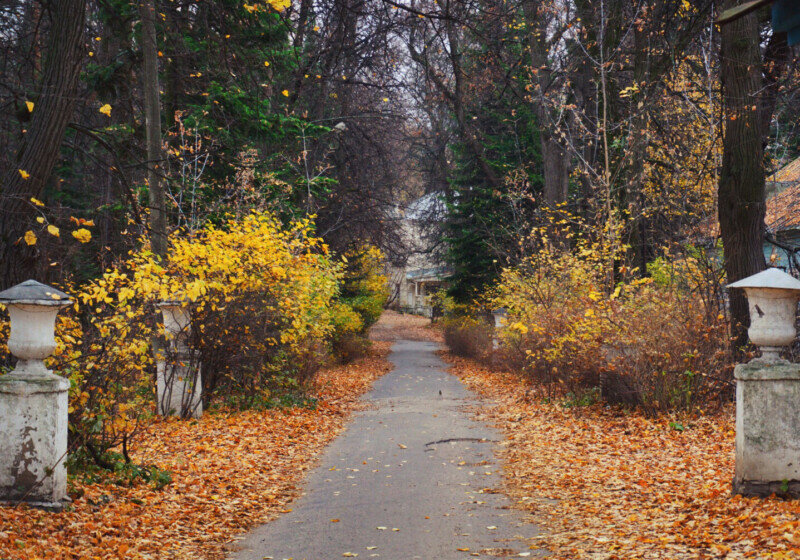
{"x": 629, "y": 91}
{"x": 277, "y": 5}
{"x": 280, "y": 5}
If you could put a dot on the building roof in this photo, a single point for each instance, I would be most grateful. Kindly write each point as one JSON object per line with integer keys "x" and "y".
{"x": 783, "y": 209}
{"x": 789, "y": 173}
{"x": 428, "y": 207}
{"x": 783, "y": 203}
{"x": 428, "y": 274}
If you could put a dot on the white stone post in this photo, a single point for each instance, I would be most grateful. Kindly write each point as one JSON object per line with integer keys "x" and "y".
{"x": 178, "y": 381}
{"x": 500, "y": 317}
{"x": 768, "y": 391}
{"x": 33, "y": 401}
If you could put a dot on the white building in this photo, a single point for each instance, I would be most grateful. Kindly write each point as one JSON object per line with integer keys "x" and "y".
{"x": 424, "y": 272}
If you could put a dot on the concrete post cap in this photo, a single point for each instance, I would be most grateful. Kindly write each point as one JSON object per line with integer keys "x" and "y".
{"x": 32, "y": 292}
{"x": 178, "y": 299}
{"x": 772, "y": 278}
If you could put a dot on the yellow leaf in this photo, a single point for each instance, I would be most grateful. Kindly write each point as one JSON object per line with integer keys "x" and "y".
{"x": 285, "y": 93}
{"x": 40, "y": 220}
{"x": 280, "y": 5}
{"x": 266, "y": 63}
{"x": 106, "y": 110}
{"x": 24, "y": 174}
{"x": 36, "y": 201}
{"x": 30, "y": 238}
{"x": 83, "y": 235}
{"x": 52, "y": 230}
{"x": 29, "y": 105}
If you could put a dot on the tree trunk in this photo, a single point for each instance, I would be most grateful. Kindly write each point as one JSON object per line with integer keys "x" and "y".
{"x": 41, "y": 146}
{"x": 741, "y": 204}
{"x": 152, "y": 110}
{"x": 555, "y": 157}
{"x": 556, "y": 170}
{"x": 639, "y": 140}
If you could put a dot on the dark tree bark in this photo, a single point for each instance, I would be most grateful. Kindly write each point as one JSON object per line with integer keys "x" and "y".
{"x": 555, "y": 158}
{"x": 40, "y": 148}
{"x": 741, "y": 203}
{"x": 152, "y": 110}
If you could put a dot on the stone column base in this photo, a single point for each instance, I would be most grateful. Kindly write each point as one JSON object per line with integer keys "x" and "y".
{"x": 767, "y": 429}
{"x": 179, "y": 386}
{"x": 33, "y": 439}
{"x": 759, "y": 489}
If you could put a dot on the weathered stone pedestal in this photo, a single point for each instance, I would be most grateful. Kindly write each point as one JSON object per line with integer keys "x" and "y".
{"x": 767, "y": 429}
{"x": 33, "y": 438}
{"x": 178, "y": 381}
{"x": 33, "y": 401}
{"x": 179, "y": 385}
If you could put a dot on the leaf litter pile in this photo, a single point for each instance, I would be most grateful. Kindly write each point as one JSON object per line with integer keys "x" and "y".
{"x": 230, "y": 471}
{"x": 604, "y": 484}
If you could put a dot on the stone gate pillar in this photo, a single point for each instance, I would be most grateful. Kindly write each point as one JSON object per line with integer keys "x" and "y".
{"x": 178, "y": 379}
{"x": 768, "y": 391}
{"x": 33, "y": 401}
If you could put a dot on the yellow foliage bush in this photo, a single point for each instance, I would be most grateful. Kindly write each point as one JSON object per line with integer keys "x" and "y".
{"x": 263, "y": 301}
{"x": 658, "y": 343}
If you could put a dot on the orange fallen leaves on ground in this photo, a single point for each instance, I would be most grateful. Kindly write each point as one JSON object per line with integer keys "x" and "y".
{"x": 404, "y": 326}
{"x": 603, "y": 483}
{"x": 230, "y": 472}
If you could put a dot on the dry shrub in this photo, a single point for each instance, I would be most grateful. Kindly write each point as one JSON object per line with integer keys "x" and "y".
{"x": 469, "y": 337}
{"x": 351, "y": 347}
{"x": 665, "y": 356}
{"x": 657, "y": 343}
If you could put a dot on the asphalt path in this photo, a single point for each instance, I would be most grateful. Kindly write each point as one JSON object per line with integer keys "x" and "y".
{"x": 411, "y": 478}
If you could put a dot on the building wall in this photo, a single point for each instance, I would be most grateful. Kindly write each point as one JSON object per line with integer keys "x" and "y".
{"x": 422, "y": 258}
